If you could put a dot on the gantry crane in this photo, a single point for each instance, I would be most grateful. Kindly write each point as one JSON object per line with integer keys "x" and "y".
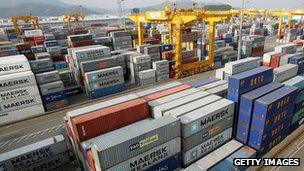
{"x": 27, "y": 19}
{"x": 73, "y": 17}
{"x": 176, "y": 21}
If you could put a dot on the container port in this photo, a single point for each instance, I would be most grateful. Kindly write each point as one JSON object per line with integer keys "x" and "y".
{"x": 181, "y": 85}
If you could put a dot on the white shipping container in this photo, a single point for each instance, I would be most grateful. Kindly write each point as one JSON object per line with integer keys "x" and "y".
{"x": 171, "y": 97}
{"x": 18, "y": 93}
{"x": 285, "y": 72}
{"x": 288, "y": 48}
{"x": 206, "y": 147}
{"x": 33, "y": 33}
{"x": 18, "y": 115}
{"x": 150, "y": 73}
{"x": 157, "y": 89}
{"x": 14, "y": 64}
{"x": 219, "y": 73}
{"x": 92, "y": 52}
{"x": 242, "y": 65}
{"x": 32, "y": 154}
{"x": 216, "y": 156}
{"x": 184, "y": 109}
{"x": 47, "y": 77}
{"x": 159, "y": 111}
{"x": 212, "y": 85}
{"x": 220, "y": 90}
{"x": 267, "y": 56}
{"x": 141, "y": 59}
{"x": 206, "y": 116}
{"x": 103, "y": 74}
{"x": 16, "y": 80}
{"x": 19, "y": 103}
{"x": 162, "y": 78}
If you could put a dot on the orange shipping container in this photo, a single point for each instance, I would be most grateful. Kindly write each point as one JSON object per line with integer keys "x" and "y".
{"x": 108, "y": 119}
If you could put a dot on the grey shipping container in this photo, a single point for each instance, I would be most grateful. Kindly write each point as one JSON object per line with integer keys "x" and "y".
{"x": 201, "y": 118}
{"x": 216, "y": 156}
{"x": 157, "y": 89}
{"x": 47, "y": 77}
{"x": 16, "y": 80}
{"x": 162, "y": 78}
{"x": 171, "y": 97}
{"x": 105, "y": 83}
{"x": 206, "y": 134}
{"x": 18, "y": 93}
{"x": 212, "y": 85}
{"x": 206, "y": 147}
{"x": 51, "y": 87}
{"x": 285, "y": 72}
{"x": 20, "y": 103}
{"x": 159, "y": 111}
{"x": 189, "y": 107}
{"x": 151, "y": 157}
{"x": 33, "y": 153}
{"x": 132, "y": 140}
{"x": 103, "y": 74}
{"x": 220, "y": 90}
{"x": 41, "y": 64}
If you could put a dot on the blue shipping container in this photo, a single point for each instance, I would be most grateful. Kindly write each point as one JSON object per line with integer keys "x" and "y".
{"x": 246, "y": 109}
{"x": 56, "y": 105}
{"x": 172, "y": 163}
{"x": 227, "y": 163}
{"x": 203, "y": 82}
{"x": 49, "y": 98}
{"x": 299, "y": 60}
{"x": 60, "y": 65}
{"x": 165, "y": 47}
{"x": 51, "y": 43}
{"x": 105, "y": 91}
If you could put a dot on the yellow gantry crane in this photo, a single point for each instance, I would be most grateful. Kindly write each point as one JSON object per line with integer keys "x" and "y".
{"x": 73, "y": 17}
{"x": 177, "y": 20}
{"x": 27, "y": 19}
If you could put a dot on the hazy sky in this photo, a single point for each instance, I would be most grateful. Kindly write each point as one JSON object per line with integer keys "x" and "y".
{"x": 281, "y": 4}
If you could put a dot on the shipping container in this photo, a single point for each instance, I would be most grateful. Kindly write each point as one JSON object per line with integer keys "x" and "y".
{"x": 206, "y": 134}
{"x": 159, "y": 111}
{"x": 14, "y": 64}
{"x": 172, "y": 163}
{"x": 41, "y": 65}
{"x": 213, "y": 85}
{"x": 105, "y": 91}
{"x": 50, "y": 88}
{"x": 247, "y": 107}
{"x": 150, "y": 158}
{"x": 57, "y": 96}
{"x": 18, "y": 93}
{"x": 162, "y": 78}
{"x": 32, "y": 154}
{"x": 56, "y": 104}
{"x": 285, "y": 72}
{"x": 242, "y": 65}
{"x": 158, "y": 89}
{"x": 99, "y": 64}
{"x": 17, "y": 80}
{"x": 20, "y": 103}
{"x": 206, "y": 147}
{"x": 172, "y": 97}
{"x": 206, "y": 116}
{"x": 220, "y": 90}
{"x": 47, "y": 77}
{"x": 132, "y": 140}
{"x": 103, "y": 74}
{"x": 207, "y": 162}
{"x": 285, "y": 59}
{"x": 112, "y": 81}
{"x": 108, "y": 119}
{"x": 203, "y": 82}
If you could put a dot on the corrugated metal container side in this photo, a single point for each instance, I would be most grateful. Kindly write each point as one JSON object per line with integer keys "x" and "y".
{"x": 157, "y": 89}
{"x": 158, "y": 111}
{"x": 184, "y": 109}
{"x": 171, "y": 97}
{"x": 111, "y": 81}
{"x": 57, "y": 96}
{"x": 244, "y": 82}
{"x": 38, "y": 151}
{"x": 227, "y": 163}
{"x": 47, "y": 77}
{"x": 106, "y": 91}
{"x": 18, "y": 93}
{"x": 242, "y": 65}
{"x": 13, "y": 64}
{"x": 98, "y": 64}
{"x": 18, "y": 115}
{"x": 259, "y": 139}
{"x": 41, "y": 64}
{"x": 172, "y": 163}
{"x": 213, "y": 85}
{"x": 297, "y": 81}
{"x": 108, "y": 119}
{"x": 149, "y": 158}
{"x": 103, "y": 74}
{"x": 206, "y": 116}
{"x": 285, "y": 72}
{"x": 206, "y": 134}
{"x": 50, "y": 88}
{"x": 206, "y": 147}
{"x": 203, "y": 82}
{"x": 20, "y": 103}
{"x": 133, "y": 140}
{"x": 216, "y": 156}
{"x": 247, "y": 107}
{"x": 52, "y": 163}
{"x": 267, "y": 108}
{"x": 220, "y": 90}
{"x": 16, "y": 80}
{"x": 98, "y": 106}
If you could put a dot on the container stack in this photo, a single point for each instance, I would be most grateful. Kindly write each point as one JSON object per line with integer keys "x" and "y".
{"x": 290, "y": 35}
{"x": 246, "y": 48}
{"x": 153, "y": 51}
{"x": 147, "y": 77}
{"x": 104, "y": 41}
{"x": 52, "y": 90}
{"x": 80, "y": 40}
{"x": 121, "y": 40}
{"x": 104, "y": 82}
{"x": 258, "y": 44}
{"x": 53, "y": 48}
{"x": 139, "y": 63}
{"x": 287, "y": 49}
{"x": 51, "y": 153}
{"x": 285, "y": 72}
{"x": 272, "y": 59}
{"x": 42, "y": 65}
{"x": 161, "y": 70}
{"x": 298, "y": 59}
{"x": 20, "y": 97}
{"x": 8, "y": 50}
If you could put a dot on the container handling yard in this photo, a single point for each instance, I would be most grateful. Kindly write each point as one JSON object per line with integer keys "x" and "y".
{"x": 186, "y": 89}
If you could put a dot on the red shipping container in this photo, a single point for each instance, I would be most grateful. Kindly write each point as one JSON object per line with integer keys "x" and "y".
{"x": 266, "y": 64}
{"x": 30, "y": 56}
{"x": 166, "y": 92}
{"x": 108, "y": 119}
{"x": 275, "y": 60}
{"x": 28, "y": 39}
{"x": 257, "y": 51}
{"x": 83, "y": 43}
{"x": 39, "y": 38}
{"x": 57, "y": 58}
{"x": 153, "y": 41}
{"x": 190, "y": 60}
{"x": 24, "y": 46}
{"x": 168, "y": 55}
